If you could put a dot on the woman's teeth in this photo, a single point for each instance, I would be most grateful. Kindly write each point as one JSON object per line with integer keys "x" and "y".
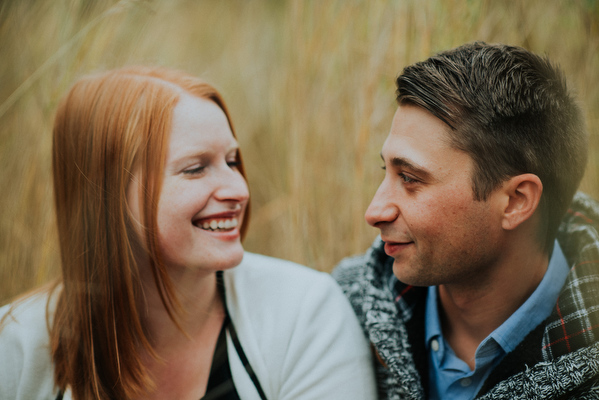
{"x": 219, "y": 225}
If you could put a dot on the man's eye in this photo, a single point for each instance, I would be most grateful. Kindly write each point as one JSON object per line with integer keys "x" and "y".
{"x": 406, "y": 178}
{"x": 234, "y": 164}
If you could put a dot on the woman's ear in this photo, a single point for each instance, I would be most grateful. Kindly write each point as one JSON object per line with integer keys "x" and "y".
{"x": 523, "y": 197}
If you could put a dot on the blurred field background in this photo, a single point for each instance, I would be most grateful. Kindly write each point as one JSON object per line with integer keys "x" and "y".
{"x": 310, "y": 85}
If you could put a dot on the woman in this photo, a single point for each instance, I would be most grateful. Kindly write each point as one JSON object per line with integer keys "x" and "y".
{"x": 157, "y": 298}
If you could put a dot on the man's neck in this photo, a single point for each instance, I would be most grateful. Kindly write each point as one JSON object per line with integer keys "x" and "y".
{"x": 472, "y": 310}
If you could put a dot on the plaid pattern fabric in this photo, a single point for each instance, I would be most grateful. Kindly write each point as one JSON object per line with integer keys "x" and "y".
{"x": 574, "y": 323}
{"x": 557, "y": 360}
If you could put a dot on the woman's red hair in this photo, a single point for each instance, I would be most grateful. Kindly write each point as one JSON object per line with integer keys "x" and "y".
{"x": 106, "y": 127}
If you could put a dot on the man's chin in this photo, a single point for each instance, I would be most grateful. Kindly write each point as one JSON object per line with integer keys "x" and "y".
{"x": 406, "y": 273}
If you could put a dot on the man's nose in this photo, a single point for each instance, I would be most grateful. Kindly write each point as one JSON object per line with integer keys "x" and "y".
{"x": 382, "y": 208}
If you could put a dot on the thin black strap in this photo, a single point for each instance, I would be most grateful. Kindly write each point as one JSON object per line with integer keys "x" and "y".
{"x": 235, "y": 339}
{"x": 220, "y": 382}
{"x": 59, "y": 395}
{"x": 244, "y": 360}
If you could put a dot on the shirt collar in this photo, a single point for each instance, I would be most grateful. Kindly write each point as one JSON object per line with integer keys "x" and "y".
{"x": 432, "y": 327}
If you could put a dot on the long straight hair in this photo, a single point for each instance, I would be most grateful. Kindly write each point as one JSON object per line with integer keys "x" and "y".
{"x": 108, "y": 126}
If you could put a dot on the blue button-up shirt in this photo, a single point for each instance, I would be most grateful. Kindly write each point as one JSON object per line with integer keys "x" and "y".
{"x": 449, "y": 376}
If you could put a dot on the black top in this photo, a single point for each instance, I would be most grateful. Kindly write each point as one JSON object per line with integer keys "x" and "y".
{"x": 220, "y": 382}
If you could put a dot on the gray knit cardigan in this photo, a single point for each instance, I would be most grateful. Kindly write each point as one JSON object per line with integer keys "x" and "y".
{"x": 557, "y": 360}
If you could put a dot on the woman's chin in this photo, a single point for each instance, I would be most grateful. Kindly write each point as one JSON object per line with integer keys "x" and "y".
{"x": 233, "y": 260}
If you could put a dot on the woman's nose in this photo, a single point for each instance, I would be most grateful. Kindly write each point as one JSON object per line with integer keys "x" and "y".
{"x": 232, "y": 187}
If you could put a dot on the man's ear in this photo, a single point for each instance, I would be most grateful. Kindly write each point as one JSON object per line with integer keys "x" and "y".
{"x": 523, "y": 196}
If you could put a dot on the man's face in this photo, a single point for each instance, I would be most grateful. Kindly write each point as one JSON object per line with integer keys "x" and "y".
{"x": 429, "y": 220}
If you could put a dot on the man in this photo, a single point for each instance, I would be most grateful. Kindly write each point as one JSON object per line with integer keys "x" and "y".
{"x": 467, "y": 293}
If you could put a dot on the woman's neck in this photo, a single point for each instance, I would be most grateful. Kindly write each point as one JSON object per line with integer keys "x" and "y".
{"x": 183, "y": 355}
{"x": 201, "y": 309}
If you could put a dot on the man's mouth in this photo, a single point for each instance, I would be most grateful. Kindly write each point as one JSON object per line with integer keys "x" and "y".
{"x": 395, "y": 248}
{"x": 217, "y": 224}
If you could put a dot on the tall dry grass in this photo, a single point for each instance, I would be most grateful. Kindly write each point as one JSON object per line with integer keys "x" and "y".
{"x": 310, "y": 85}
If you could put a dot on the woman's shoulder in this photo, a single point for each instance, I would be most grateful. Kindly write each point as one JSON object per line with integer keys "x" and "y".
{"x": 278, "y": 277}
{"x": 286, "y": 290}
{"x": 26, "y": 317}
{"x": 24, "y": 340}
{"x": 260, "y": 267}
{"x": 296, "y": 326}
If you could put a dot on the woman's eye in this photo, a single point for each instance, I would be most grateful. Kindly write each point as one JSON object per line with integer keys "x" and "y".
{"x": 234, "y": 164}
{"x": 194, "y": 170}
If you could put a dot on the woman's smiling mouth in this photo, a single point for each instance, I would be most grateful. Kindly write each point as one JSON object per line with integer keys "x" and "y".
{"x": 217, "y": 224}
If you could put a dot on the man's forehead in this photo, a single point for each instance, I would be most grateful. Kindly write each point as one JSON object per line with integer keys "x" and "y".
{"x": 420, "y": 141}
{"x": 414, "y": 124}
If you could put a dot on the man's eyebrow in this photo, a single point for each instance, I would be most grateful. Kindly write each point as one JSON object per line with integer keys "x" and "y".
{"x": 404, "y": 163}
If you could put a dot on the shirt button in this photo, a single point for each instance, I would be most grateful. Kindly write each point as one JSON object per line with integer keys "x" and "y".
{"x": 435, "y": 345}
{"x": 466, "y": 382}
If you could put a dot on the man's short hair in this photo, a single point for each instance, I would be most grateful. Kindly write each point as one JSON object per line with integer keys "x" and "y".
{"x": 511, "y": 111}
